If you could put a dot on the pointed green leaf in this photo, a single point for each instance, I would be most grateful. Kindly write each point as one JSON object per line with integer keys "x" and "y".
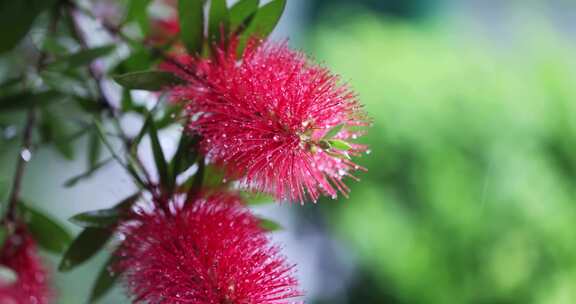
{"x": 3, "y": 235}
{"x": 241, "y": 11}
{"x": 17, "y": 17}
{"x": 138, "y": 12}
{"x": 263, "y": 23}
{"x": 104, "y": 217}
{"x": 82, "y": 58}
{"x": 185, "y": 155}
{"x": 49, "y": 234}
{"x": 85, "y": 246}
{"x": 94, "y": 150}
{"x": 219, "y": 20}
{"x": 105, "y": 280}
{"x": 339, "y": 144}
{"x": 269, "y": 225}
{"x": 54, "y": 131}
{"x": 99, "y": 218}
{"x": 158, "y": 153}
{"x": 191, "y": 13}
{"x": 333, "y": 132}
{"x": 148, "y": 80}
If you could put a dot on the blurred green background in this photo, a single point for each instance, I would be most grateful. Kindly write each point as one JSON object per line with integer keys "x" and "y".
{"x": 470, "y": 195}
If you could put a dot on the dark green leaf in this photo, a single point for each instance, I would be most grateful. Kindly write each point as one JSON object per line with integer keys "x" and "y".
{"x": 84, "y": 247}
{"x": 106, "y": 280}
{"x": 74, "y": 180}
{"x": 49, "y": 234}
{"x": 26, "y": 100}
{"x": 99, "y": 218}
{"x": 264, "y": 21}
{"x": 269, "y": 225}
{"x": 3, "y": 235}
{"x": 333, "y": 132}
{"x": 158, "y": 153}
{"x": 105, "y": 217}
{"x": 16, "y": 18}
{"x": 192, "y": 24}
{"x": 148, "y": 80}
{"x": 219, "y": 21}
{"x": 197, "y": 180}
{"x": 54, "y": 131}
{"x": 83, "y": 57}
{"x": 185, "y": 155}
{"x": 138, "y": 12}
{"x": 339, "y": 144}
{"x": 94, "y": 150}
{"x": 241, "y": 11}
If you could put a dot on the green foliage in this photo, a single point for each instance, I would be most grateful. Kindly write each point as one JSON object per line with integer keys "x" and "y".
{"x": 470, "y": 194}
{"x": 49, "y": 234}
{"x": 105, "y": 280}
{"x": 192, "y": 24}
{"x": 241, "y": 11}
{"x": 147, "y": 80}
{"x": 17, "y": 17}
{"x": 89, "y": 242}
{"x": 219, "y": 20}
{"x": 263, "y": 22}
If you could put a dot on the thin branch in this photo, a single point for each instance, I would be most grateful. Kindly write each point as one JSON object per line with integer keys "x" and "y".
{"x": 79, "y": 36}
{"x": 21, "y": 165}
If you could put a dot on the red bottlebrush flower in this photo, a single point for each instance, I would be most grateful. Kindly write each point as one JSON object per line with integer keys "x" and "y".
{"x": 213, "y": 252}
{"x": 264, "y": 119}
{"x": 19, "y": 254}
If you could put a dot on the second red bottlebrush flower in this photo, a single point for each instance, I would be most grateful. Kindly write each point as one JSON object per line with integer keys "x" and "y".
{"x": 213, "y": 252}
{"x": 267, "y": 117}
{"x": 19, "y": 254}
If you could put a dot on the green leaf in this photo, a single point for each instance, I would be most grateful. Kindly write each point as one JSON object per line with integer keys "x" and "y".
{"x": 105, "y": 217}
{"x": 53, "y": 130}
{"x": 197, "y": 180}
{"x": 185, "y": 155}
{"x": 49, "y": 234}
{"x": 3, "y": 235}
{"x": 26, "y": 100}
{"x": 158, "y": 153}
{"x": 191, "y": 13}
{"x": 75, "y": 179}
{"x": 83, "y": 57}
{"x": 253, "y": 199}
{"x": 84, "y": 247}
{"x": 16, "y": 19}
{"x": 263, "y": 23}
{"x": 339, "y": 144}
{"x": 94, "y": 150}
{"x": 105, "y": 280}
{"x": 138, "y": 12}
{"x": 241, "y": 11}
{"x": 99, "y": 218}
{"x": 148, "y": 80}
{"x": 269, "y": 225}
{"x": 219, "y": 20}
{"x": 333, "y": 132}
